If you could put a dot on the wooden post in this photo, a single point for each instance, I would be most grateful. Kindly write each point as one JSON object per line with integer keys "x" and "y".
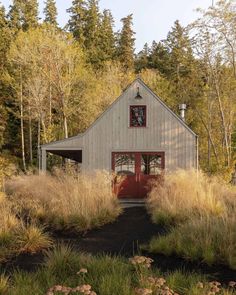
{"x": 43, "y": 160}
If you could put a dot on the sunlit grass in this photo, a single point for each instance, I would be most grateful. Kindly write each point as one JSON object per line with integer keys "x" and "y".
{"x": 65, "y": 201}
{"x": 200, "y": 213}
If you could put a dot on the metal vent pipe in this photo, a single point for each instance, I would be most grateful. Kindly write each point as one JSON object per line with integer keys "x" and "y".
{"x": 182, "y": 108}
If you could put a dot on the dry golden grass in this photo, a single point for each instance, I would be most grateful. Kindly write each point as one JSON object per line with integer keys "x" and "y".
{"x": 65, "y": 201}
{"x": 203, "y": 210}
{"x": 186, "y": 194}
{"x": 15, "y": 236}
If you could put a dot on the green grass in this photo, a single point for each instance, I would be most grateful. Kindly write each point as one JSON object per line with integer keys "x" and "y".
{"x": 106, "y": 275}
{"x": 211, "y": 240}
{"x": 199, "y": 212}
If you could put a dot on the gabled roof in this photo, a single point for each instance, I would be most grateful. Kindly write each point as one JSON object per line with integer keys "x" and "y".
{"x": 155, "y": 96}
{"x": 116, "y": 101}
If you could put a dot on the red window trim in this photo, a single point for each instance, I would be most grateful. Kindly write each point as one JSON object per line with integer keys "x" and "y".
{"x": 145, "y": 116}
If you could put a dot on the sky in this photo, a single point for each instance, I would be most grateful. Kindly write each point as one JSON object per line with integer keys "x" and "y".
{"x": 153, "y": 19}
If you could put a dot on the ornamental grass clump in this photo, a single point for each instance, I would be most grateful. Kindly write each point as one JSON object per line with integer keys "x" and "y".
{"x": 200, "y": 213}
{"x": 65, "y": 201}
{"x": 188, "y": 194}
{"x": 16, "y": 236}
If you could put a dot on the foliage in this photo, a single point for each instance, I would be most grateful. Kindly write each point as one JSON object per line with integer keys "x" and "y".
{"x": 16, "y": 237}
{"x": 65, "y": 202}
{"x": 106, "y": 275}
{"x": 202, "y": 211}
{"x": 49, "y": 94}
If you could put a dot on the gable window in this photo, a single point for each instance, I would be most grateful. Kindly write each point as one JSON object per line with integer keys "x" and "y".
{"x": 138, "y": 116}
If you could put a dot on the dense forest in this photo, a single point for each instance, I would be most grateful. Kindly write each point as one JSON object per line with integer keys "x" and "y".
{"x": 55, "y": 81}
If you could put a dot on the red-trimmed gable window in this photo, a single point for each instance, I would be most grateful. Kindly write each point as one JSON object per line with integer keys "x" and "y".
{"x": 138, "y": 116}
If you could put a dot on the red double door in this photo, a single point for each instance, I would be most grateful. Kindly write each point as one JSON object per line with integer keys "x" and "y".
{"x": 135, "y": 171}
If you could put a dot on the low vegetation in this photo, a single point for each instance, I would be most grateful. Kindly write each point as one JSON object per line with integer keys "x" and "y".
{"x": 65, "y": 201}
{"x": 68, "y": 272}
{"x": 200, "y": 214}
{"x": 16, "y": 236}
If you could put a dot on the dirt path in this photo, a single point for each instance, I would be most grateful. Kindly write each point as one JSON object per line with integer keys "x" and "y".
{"x": 123, "y": 237}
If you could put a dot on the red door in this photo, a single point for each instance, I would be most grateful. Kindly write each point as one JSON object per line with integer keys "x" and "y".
{"x": 135, "y": 171}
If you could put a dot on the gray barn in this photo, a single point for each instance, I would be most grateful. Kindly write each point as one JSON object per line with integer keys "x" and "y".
{"x": 138, "y": 135}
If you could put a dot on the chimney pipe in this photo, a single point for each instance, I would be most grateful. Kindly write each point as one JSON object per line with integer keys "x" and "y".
{"x": 182, "y": 108}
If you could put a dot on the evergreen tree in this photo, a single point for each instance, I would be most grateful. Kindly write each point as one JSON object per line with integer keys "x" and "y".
{"x": 126, "y": 40}
{"x": 15, "y": 15}
{"x": 92, "y": 30}
{"x": 77, "y": 21}
{"x": 107, "y": 37}
{"x": 50, "y": 12}
{"x": 142, "y": 59}
{"x": 160, "y": 58}
{"x": 30, "y": 14}
{"x": 181, "y": 55}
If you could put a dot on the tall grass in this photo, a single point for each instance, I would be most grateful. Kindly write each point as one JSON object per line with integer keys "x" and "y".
{"x": 189, "y": 194}
{"x": 202, "y": 211}
{"x": 64, "y": 201}
{"x": 16, "y": 236}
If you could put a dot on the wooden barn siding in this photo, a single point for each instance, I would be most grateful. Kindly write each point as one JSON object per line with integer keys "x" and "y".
{"x": 163, "y": 133}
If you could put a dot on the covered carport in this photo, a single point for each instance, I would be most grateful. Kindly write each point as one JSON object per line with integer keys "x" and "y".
{"x": 64, "y": 148}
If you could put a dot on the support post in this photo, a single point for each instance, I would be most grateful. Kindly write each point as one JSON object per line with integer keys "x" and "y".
{"x": 43, "y": 160}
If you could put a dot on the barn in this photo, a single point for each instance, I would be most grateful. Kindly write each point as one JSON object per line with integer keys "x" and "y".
{"x": 137, "y": 136}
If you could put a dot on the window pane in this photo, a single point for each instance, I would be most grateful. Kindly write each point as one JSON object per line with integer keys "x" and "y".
{"x": 137, "y": 116}
{"x": 125, "y": 164}
{"x": 151, "y": 164}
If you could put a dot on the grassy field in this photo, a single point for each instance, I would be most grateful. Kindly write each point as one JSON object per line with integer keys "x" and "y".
{"x": 35, "y": 205}
{"x": 199, "y": 212}
{"x": 68, "y": 272}
{"x": 64, "y": 201}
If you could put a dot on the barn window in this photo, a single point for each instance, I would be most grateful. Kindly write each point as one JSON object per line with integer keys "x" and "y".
{"x": 138, "y": 116}
{"x": 151, "y": 164}
{"x": 125, "y": 164}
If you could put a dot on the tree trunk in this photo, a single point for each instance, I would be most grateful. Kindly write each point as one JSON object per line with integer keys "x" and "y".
{"x": 30, "y": 138}
{"x": 39, "y": 141}
{"x": 22, "y": 122}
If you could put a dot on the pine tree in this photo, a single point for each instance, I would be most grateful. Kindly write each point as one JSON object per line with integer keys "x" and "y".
{"x": 92, "y": 27}
{"x": 15, "y": 15}
{"x": 30, "y": 14}
{"x": 142, "y": 60}
{"x": 50, "y": 12}
{"x": 77, "y": 21}
{"x": 126, "y": 43}
{"x": 107, "y": 37}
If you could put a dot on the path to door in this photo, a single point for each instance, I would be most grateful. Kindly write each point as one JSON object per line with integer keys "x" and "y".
{"x": 123, "y": 237}
{"x": 134, "y": 228}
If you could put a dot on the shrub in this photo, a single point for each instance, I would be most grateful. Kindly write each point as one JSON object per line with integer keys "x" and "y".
{"x": 64, "y": 201}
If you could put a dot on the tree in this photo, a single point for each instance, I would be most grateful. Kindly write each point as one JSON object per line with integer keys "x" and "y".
{"x": 125, "y": 50}
{"x": 107, "y": 37}
{"x": 77, "y": 21}
{"x": 30, "y": 14}
{"x": 214, "y": 43}
{"x": 15, "y": 15}
{"x": 50, "y": 12}
{"x": 142, "y": 59}
{"x": 92, "y": 31}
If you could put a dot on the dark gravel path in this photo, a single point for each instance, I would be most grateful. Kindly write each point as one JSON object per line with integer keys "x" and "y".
{"x": 123, "y": 237}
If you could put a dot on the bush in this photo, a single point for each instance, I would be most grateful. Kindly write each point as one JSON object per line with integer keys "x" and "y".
{"x": 64, "y": 201}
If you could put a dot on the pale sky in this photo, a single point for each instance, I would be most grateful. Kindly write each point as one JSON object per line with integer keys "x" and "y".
{"x": 153, "y": 19}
